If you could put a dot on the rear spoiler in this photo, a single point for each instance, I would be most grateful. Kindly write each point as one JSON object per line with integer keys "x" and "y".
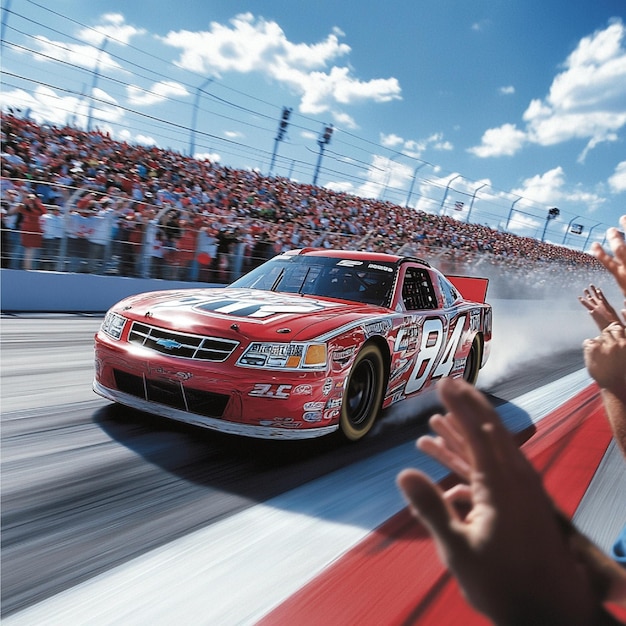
{"x": 471, "y": 288}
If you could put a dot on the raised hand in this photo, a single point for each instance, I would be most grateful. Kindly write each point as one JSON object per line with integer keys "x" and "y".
{"x": 513, "y": 554}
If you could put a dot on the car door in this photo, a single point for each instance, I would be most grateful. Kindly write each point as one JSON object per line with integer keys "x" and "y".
{"x": 440, "y": 327}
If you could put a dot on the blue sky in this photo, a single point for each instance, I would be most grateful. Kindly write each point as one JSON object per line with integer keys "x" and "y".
{"x": 510, "y": 107}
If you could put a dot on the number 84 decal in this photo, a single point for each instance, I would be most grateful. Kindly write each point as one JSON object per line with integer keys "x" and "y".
{"x": 431, "y": 344}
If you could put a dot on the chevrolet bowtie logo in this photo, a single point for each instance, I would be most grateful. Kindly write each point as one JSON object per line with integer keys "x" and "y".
{"x": 169, "y": 344}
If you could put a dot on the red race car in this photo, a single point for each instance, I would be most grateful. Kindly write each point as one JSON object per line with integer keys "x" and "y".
{"x": 311, "y": 342}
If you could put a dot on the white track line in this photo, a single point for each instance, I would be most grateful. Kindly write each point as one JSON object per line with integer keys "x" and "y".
{"x": 238, "y": 569}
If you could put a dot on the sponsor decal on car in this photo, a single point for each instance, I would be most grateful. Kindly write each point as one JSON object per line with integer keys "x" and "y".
{"x": 349, "y": 263}
{"x": 243, "y": 303}
{"x": 281, "y": 422}
{"x": 343, "y": 355}
{"x": 331, "y": 414}
{"x": 379, "y": 327}
{"x": 328, "y": 386}
{"x": 302, "y": 390}
{"x": 313, "y": 406}
{"x": 406, "y": 338}
{"x": 334, "y": 403}
{"x": 270, "y": 390}
{"x": 474, "y": 322}
{"x": 312, "y": 416}
{"x": 396, "y": 396}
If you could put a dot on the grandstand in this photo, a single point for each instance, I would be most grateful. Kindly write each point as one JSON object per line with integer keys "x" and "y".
{"x": 110, "y": 207}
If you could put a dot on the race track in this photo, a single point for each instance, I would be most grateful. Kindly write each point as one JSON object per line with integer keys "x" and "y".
{"x": 114, "y": 516}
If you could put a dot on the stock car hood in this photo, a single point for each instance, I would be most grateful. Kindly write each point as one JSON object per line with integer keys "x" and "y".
{"x": 250, "y": 313}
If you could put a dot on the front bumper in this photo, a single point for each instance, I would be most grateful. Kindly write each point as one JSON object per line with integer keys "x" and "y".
{"x": 218, "y": 396}
{"x": 223, "y": 426}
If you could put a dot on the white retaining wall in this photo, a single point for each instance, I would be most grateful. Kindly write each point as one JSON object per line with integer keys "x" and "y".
{"x": 35, "y": 291}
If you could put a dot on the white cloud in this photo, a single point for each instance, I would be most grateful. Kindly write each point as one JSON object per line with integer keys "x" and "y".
{"x": 127, "y": 135}
{"x": 525, "y": 225}
{"x": 214, "y": 157}
{"x": 543, "y": 188}
{"x": 113, "y": 27}
{"x": 391, "y": 141}
{"x": 88, "y": 55}
{"x": 157, "y": 93}
{"x": 82, "y": 55}
{"x": 252, "y": 44}
{"x": 549, "y": 189}
{"x": 503, "y": 141}
{"x": 340, "y": 186}
{"x": 506, "y": 91}
{"x": 44, "y": 105}
{"x": 617, "y": 181}
{"x": 105, "y": 107}
{"x": 443, "y": 146}
{"x": 585, "y": 100}
{"x": 415, "y": 148}
{"x": 341, "y": 118}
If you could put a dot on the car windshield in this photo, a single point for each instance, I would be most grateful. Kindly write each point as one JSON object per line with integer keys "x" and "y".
{"x": 347, "y": 279}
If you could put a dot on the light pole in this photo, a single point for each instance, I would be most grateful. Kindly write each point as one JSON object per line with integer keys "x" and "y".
{"x": 194, "y": 116}
{"x": 508, "y": 219}
{"x": 322, "y": 142}
{"x": 472, "y": 201}
{"x": 94, "y": 84}
{"x": 445, "y": 195}
{"x": 552, "y": 214}
{"x": 417, "y": 169}
{"x": 280, "y": 135}
{"x": 390, "y": 160}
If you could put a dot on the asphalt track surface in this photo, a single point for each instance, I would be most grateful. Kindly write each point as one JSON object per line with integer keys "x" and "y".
{"x": 88, "y": 486}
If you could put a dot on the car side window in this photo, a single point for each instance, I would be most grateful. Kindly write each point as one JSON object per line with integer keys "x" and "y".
{"x": 417, "y": 290}
{"x": 448, "y": 292}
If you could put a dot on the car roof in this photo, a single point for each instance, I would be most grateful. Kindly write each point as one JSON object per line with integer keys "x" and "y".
{"x": 357, "y": 255}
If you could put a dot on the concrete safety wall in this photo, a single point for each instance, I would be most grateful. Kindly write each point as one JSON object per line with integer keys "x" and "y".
{"x": 57, "y": 292}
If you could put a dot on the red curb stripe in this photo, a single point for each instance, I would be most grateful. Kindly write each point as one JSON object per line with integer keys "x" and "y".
{"x": 394, "y": 576}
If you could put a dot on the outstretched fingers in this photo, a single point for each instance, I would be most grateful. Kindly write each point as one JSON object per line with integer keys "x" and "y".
{"x": 489, "y": 444}
{"x": 438, "y": 449}
{"x": 428, "y": 504}
{"x": 449, "y": 447}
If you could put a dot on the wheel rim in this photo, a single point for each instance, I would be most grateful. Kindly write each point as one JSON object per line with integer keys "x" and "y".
{"x": 361, "y": 392}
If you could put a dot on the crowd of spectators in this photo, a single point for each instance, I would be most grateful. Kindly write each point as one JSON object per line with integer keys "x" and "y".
{"x": 84, "y": 202}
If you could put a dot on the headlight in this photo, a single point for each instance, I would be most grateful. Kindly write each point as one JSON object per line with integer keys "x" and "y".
{"x": 113, "y": 325}
{"x": 285, "y": 355}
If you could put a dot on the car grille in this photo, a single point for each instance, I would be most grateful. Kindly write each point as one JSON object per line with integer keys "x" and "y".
{"x": 181, "y": 345}
{"x": 172, "y": 394}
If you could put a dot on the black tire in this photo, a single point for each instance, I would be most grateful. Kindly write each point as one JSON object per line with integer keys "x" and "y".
{"x": 363, "y": 394}
{"x": 472, "y": 363}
